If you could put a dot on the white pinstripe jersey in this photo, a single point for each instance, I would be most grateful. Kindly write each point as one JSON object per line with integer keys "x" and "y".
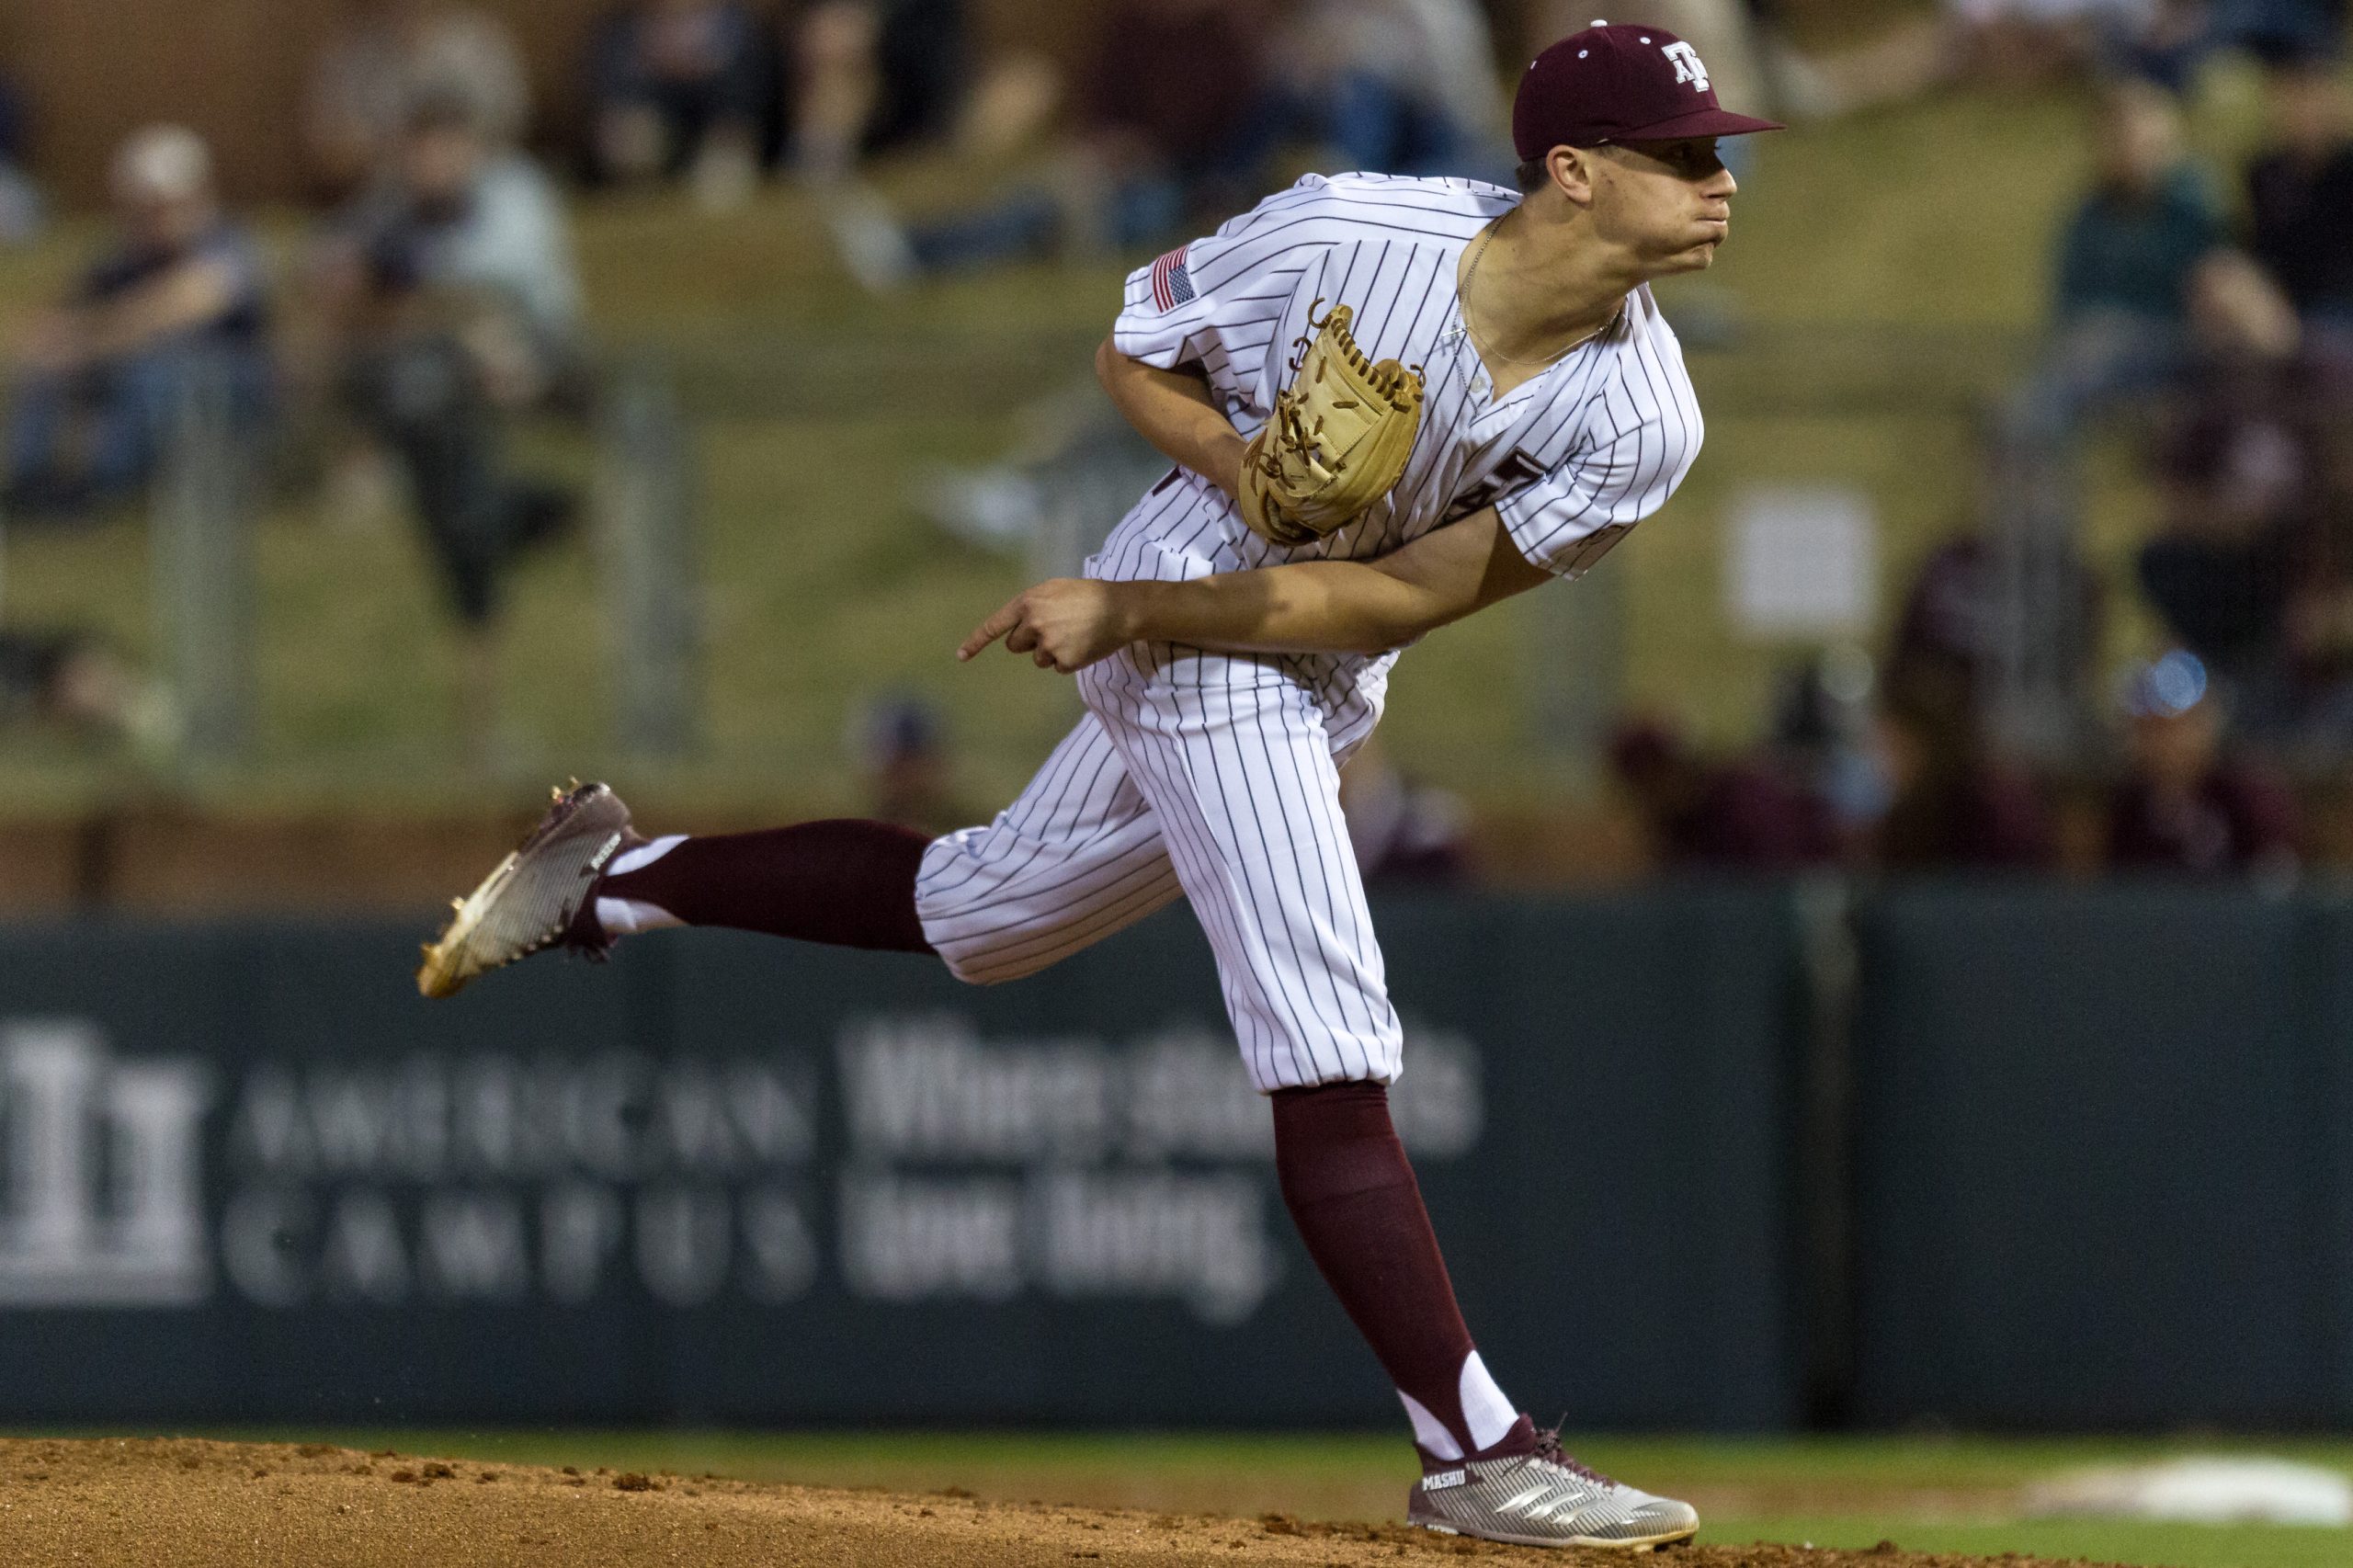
{"x": 1571, "y": 459}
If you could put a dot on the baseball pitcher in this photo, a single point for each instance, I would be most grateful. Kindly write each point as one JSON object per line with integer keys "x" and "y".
{"x": 1390, "y": 403}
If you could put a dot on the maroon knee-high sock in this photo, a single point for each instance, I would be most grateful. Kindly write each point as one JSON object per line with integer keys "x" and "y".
{"x": 1352, "y": 1193}
{"x": 848, "y": 883}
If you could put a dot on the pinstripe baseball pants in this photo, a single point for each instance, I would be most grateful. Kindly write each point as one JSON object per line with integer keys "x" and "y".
{"x": 1212, "y": 776}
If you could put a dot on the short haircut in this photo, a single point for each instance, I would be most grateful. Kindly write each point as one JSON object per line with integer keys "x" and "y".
{"x": 163, "y": 163}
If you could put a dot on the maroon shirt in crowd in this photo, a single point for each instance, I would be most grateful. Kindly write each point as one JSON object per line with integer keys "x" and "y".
{"x": 2235, "y": 819}
{"x": 1748, "y": 817}
{"x": 1739, "y": 815}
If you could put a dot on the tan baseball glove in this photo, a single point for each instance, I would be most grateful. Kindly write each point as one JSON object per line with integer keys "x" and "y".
{"x": 1338, "y": 441}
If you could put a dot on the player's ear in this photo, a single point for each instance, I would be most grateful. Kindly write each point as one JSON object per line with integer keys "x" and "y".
{"x": 1574, "y": 172}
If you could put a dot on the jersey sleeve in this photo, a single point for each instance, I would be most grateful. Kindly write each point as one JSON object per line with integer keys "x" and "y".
{"x": 1641, "y": 436}
{"x": 1217, "y": 301}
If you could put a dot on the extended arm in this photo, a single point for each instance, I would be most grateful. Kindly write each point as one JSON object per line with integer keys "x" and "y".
{"x": 1309, "y": 606}
{"x": 1174, "y": 411}
{"x": 184, "y": 297}
{"x": 188, "y": 295}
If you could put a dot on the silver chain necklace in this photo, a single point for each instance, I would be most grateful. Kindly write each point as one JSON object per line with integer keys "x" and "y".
{"x": 1463, "y": 296}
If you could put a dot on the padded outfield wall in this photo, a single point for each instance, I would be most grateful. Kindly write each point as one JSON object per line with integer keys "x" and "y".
{"x": 2049, "y": 1157}
{"x": 2105, "y": 1165}
{"x": 249, "y": 1175}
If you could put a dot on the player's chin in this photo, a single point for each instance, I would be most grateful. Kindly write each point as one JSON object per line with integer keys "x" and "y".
{"x": 1698, "y": 258}
{"x": 1708, "y": 234}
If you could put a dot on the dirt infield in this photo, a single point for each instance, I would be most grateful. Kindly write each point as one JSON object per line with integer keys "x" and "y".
{"x": 187, "y": 1503}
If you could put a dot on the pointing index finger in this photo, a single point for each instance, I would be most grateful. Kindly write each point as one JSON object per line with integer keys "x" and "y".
{"x": 989, "y": 630}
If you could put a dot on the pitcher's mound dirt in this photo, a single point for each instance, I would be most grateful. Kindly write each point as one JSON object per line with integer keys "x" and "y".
{"x": 186, "y": 1504}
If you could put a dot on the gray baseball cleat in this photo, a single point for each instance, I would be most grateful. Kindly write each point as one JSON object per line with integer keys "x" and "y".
{"x": 537, "y": 896}
{"x": 1545, "y": 1498}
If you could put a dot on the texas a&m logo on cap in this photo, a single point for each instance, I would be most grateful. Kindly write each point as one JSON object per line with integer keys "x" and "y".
{"x": 1688, "y": 67}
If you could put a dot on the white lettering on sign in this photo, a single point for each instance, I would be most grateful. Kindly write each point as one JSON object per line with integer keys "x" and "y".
{"x": 1082, "y": 1144}
{"x": 433, "y": 1119}
{"x": 905, "y": 1238}
{"x": 1199, "y": 1238}
{"x": 580, "y": 1234}
{"x": 285, "y": 1246}
{"x": 930, "y": 1087}
{"x": 927, "y": 1086}
{"x": 103, "y": 1201}
{"x": 972, "y": 1167}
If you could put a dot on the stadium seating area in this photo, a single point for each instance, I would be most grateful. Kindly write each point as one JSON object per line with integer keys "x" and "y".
{"x": 825, "y": 582}
{"x": 1888, "y": 285}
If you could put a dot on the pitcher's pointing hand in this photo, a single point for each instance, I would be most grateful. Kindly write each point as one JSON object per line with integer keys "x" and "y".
{"x": 1066, "y": 624}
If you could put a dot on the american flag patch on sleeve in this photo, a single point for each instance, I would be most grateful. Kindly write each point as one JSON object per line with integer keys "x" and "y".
{"x": 1171, "y": 285}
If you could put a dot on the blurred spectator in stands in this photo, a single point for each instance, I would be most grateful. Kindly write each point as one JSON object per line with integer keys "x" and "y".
{"x": 2300, "y": 197}
{"x": 2184, "y": 806}
{"x": 2241, "y": 537}
{"x": 1949, "y": 649}
{"x": 900, "y": 749}
{"x": 384, "y": 56}
{"x": 2238, "y": 474}
{"x": 2025, "y": 42}
{"x": 2170, "y": 40}
{"x": 2278, "y": 29}
{"x": 2179, "y": 37}
{"x": 2005, "y": 42}
{"x": 1177, "y": 122}
{"x": 871, "y": 75}
{"x": 1744, "y": 815}
{"x": 1949, "y": 632}
{"x": 2320, "y": 607}
{"x": 22, "y": 210}
{"x": 455, "y": 304}
{"x": 2129, "y": 263}
{"x": 2149, "y": 289}
{"x": 2034, "y": 41}
{"x": 2252, "y": 567}
{"x": 683, "y": 89}
{"x": 1406, "y": 835}
{"x": 177, "y": 303}
{"x": 2164, "y": 42}
{"x": 1400, "y": 86}
{"x": 1956, "y": 805}
{"x": 1824, "y": 749}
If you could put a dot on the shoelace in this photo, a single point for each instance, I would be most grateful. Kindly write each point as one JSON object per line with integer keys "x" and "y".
{"x": 1549, "y": 1449}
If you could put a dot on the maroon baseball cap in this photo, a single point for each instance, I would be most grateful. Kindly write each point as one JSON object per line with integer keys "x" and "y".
{"x": 1621, "y": 83}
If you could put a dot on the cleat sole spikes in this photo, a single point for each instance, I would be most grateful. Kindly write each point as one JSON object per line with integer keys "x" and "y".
{"x": 530, "y": 901}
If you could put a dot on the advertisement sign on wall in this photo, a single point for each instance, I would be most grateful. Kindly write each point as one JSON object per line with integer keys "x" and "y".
{"x": 246, "y": 1173}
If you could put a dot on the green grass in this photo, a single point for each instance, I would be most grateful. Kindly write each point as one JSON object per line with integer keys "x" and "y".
{"x": 824, "y": 590}
{"x": 1925, "y": 1494}
{"x": 2099, "y": 1540}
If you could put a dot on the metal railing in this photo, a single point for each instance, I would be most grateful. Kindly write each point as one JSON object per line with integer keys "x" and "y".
{"x": 646, "y": 545}
{"x": 203, "y": 508}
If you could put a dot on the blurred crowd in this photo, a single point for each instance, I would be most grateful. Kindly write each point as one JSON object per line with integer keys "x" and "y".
{"x": 434, "y": 303}
{"x": 2203, "y": 320}
{"x": 433, "y": 306}
{"x": 1855, "y": 779}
